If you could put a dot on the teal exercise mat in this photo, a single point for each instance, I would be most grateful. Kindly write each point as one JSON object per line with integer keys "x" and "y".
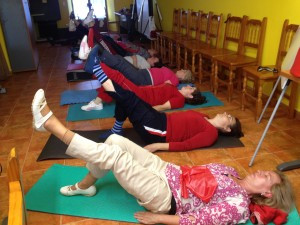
{"x": 77, "y": 96}
{"x": 76, "y": 114}
{"x": 111, "y": 202}
{"x": 55, "y": 149}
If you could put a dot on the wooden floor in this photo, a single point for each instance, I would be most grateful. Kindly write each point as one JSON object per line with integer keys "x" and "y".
{"x": 281, "y": 144}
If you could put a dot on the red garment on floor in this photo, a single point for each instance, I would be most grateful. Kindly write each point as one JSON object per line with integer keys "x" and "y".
{"x": 267, "y": 214}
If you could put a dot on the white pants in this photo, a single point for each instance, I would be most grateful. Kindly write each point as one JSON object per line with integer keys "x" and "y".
{"x": 139, "y": 172}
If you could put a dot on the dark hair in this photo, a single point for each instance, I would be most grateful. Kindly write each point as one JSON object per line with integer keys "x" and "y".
{"x": 197, "y": 99}
{"x": 158, "y": 64}
{"x": 236, "y": 130}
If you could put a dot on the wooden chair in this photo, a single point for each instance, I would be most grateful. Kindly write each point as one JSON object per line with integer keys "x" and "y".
{"x": 234, "y": 30}
{"x": 17, "y": 210}
{"x": 193, "y": 24}
{"x": 253, "y": 39}
{"x": 191, "y": 47}
{"x": 172, "y": 40}
{"x": 260, "y": 78}
{"x": 175, "y": 29}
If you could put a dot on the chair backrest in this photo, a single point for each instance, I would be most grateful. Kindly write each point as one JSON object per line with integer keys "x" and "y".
{"x": 176, "y": 20}
{"x": 193, "y": 23}
{"x": 17, "y": 210}
{"x": 254, "y": 37}
{"x": 214, "y": 30}
{"x": 287, "y": 35}
{"x": 184, "y": 21}
{"x": 203, "y": 26}
{"x": 234, "y": 31}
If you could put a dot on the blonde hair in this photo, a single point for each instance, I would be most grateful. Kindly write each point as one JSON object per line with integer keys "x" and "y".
{"x": 282, "y": 195}
{"x": 188, "y": 78}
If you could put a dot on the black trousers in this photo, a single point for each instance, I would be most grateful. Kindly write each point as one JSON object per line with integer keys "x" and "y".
{"x": 139, "y": 77}
{"x": 150, "y": 124}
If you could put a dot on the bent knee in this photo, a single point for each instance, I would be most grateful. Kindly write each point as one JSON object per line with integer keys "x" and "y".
{"x": 114, "y": 139}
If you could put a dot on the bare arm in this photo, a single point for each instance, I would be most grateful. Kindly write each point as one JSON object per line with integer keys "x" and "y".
{"x": 157, "y": 147}
{"x": 155, "y": 218}
{"x": 165, "y": 106}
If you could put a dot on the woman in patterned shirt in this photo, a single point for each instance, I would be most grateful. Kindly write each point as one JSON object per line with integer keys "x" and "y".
{"x": 171, "y": 193}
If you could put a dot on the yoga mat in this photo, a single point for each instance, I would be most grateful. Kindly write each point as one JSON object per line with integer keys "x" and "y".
{"x": 78, "y": 76}
{"x": 77, "y": 96}
{"x": 76, "y": 114}
{"x": 55, "y": 149}
{"x": 111, "y": 202}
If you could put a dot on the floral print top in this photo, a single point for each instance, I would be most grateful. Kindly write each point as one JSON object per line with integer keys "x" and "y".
{"x": 229, "y": 205}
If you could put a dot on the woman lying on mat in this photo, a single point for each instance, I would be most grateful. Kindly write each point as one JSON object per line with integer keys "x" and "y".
{"x": 179, "y": 131}
{"x": 152, "y": 76}
{"x": 208, "y": 194}
{"x": 140, "y": 62}
{"x": 161, "y": 97}
{"x": 118, "y": 47}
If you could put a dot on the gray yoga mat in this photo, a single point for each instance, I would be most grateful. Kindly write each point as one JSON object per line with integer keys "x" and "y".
{"x": 55, "y": 149}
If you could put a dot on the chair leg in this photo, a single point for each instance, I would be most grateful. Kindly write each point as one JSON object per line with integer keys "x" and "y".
{"x": 193, "y": 62}
{"x": 258, "y": 101}
{"x": 185, "y": 58}
{"x": 178, "y": 57}
{"x": 200, "y": 74}
{"x": 244, "y": 92}
{"x": 230, "y": 85}
{"x": 212, "y": 76}
{"x": 216, "y": 78}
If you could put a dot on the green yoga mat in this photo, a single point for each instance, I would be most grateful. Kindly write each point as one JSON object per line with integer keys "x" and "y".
{"x": 76, "y": 114}
{"x": 111, "y": 202}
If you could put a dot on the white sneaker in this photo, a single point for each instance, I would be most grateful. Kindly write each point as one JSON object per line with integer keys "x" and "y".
{"x": 89, "y": 18}
{"x": 92, "y": 106}
{"x": 84, "y": 49}
{"x": 67, "y": 191}
{"x": 38, "y": 103}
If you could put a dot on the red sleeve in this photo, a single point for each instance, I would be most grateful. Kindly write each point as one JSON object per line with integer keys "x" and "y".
{"x": 177, "y": 102}
{"x": 202, "y": 139}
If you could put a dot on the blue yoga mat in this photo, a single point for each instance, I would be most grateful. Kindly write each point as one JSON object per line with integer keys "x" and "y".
{"x": 75, "y": 113}
{"x": 77, "y": 96}
{"x": 111, "y": 202}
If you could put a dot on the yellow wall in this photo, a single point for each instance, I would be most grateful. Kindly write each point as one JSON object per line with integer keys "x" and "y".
{"x": 115, "y": 6}
{"x": 64, "y": 13}
{"x": 275, "y": 10}
{"x": 3, "y": 45}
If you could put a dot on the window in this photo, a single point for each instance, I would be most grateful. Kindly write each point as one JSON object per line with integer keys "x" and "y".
{"x": 81, "y": 9}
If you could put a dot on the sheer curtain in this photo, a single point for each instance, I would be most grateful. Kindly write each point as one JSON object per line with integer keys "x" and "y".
{"x": 81, "y": 9}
